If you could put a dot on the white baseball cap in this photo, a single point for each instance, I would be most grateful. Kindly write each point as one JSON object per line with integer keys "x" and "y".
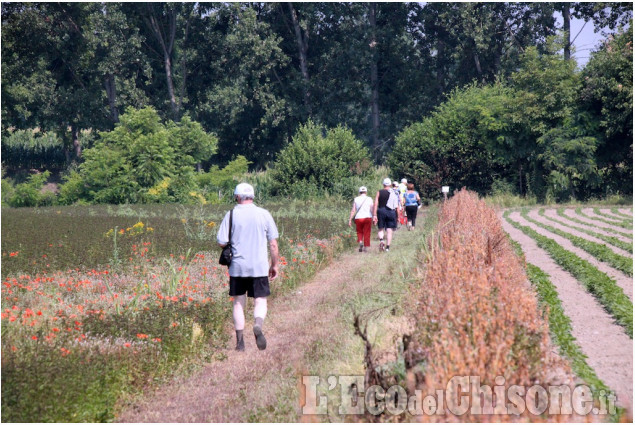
{"x": 395, "y": 183}
{"x": 387, "y": 182}
{"x": 363, "y": 189}
{"x": 244, "y": 189}
{"x": 404, "y": 181}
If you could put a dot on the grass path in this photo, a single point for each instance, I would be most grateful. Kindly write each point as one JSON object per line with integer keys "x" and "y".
{"x": 309, "y": 331}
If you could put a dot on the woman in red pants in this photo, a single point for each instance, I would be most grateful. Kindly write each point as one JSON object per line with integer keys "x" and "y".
{"x": 362, "y": 213}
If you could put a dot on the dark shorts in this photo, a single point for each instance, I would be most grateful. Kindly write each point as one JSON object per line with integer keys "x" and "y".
{"x": 386, "y": 219}
{"x": 255, "y": 287}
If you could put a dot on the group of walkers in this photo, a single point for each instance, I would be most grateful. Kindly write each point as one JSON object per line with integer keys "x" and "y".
{"x": 394, "y": 205}
{"x": 250, "y": 234}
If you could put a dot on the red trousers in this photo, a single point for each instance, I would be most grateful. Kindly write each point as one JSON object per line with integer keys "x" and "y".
{"x": 363, "y": 226}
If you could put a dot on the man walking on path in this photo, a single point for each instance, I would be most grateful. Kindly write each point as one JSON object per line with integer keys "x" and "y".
{"x": 253, "y": 229}
{"x": 385, "y": 214}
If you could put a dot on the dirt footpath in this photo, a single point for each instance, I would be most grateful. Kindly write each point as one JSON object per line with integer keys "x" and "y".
{"x": 609, "y": 349}
{"x": 260, "y": 385}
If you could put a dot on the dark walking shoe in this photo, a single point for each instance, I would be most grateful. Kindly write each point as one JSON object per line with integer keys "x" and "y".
{"x": 240, "y": 345}
{"x": 361, "y": 247}
{"x": 261, "y": 342}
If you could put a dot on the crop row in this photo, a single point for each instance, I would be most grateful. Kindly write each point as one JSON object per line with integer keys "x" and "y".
{"x": 609, "y": 239}
{"x": 599, "y": 251}
{"x": 613, "y": 217}
{"x": 559, "y": 323}
{"x": 603, "y": 287}
{"x": 617, "y": 212}
{"x": 561, "y": 213}
{"x": 623, "y": 224}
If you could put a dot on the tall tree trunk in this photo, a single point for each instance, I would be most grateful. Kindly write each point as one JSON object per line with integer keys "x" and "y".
{"x": 184, "y": 65}
{"x": 111, "y": 92}
{"x": 566, "y": 18}
{"x": 77, "y": 146}
{"x": 167, "y": 45}
{"x": 303, "y": 47}
{"x": 374, "y": 76}
{"x": 440, "y": 59}
{"x": 477, "y": 62}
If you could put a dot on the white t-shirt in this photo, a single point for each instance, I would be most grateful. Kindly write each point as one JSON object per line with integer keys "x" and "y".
{"x": 253, "y": 227}
{"x": 363, "y": 205}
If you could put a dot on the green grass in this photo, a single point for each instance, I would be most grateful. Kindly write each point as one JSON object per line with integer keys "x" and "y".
{"x": 600, "y": 285}
{"x": 561, "y": 213}
{"x": 609, "y": 239}
{"x": 507, "y": 200}
{"x": 599, "y": 251}
{"x": 613, "y": 223}
{"x": 61, "y": 238}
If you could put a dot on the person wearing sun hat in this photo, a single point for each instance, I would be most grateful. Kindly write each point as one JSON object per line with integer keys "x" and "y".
{"x": 363, "y": 215}
{"x": 253, "y": 230}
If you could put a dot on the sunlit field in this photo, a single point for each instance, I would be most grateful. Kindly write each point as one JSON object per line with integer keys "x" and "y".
{"x": 100, "y": 300}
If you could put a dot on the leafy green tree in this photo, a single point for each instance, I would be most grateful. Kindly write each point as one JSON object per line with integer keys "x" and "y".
{"x": 452, "y": 146}
{"x": 607, "y": 95}
{"x": 50, "y": 36}
{"x": 139, "y": 155}
{"x": 545, "y": 97}
{"x": 121, "y": 63}
{"x": 239, "y": 82}
{"x": 608, "y": 15}
{"x": 317, "y": 159}
{"x": 570, "y": 161}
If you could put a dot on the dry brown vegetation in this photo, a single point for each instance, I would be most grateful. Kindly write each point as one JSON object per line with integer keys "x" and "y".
{"x": 476, "y": 314}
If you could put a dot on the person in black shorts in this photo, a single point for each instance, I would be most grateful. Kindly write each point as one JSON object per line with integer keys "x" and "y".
{"x": 385, "y": 214}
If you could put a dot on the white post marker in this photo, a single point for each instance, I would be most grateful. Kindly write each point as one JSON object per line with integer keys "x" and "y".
{"x": 445, "y": 190}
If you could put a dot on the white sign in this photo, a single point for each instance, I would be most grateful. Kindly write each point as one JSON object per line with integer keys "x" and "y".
{"x": 445, "y": 189}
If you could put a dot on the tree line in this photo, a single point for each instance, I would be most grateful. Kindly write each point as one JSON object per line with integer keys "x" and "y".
{"x": 252, "y": 74}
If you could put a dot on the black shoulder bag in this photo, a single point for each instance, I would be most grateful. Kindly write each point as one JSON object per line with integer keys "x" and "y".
{"x": 226, "y": 254}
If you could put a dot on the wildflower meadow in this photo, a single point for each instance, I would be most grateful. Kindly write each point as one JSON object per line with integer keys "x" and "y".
{"x": 101, "y": 303}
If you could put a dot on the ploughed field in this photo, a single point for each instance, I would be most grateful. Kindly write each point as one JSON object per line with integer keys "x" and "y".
{"x": 581, "y": 262}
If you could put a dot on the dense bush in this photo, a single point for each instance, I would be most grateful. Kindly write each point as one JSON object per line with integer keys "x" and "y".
{"x": 138, "y": 159}
{"x": 318, "y": 160}
{"x": 29, "y": 193}
{"x": 218, "y": 183}
{"x": 450, "y": 147}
